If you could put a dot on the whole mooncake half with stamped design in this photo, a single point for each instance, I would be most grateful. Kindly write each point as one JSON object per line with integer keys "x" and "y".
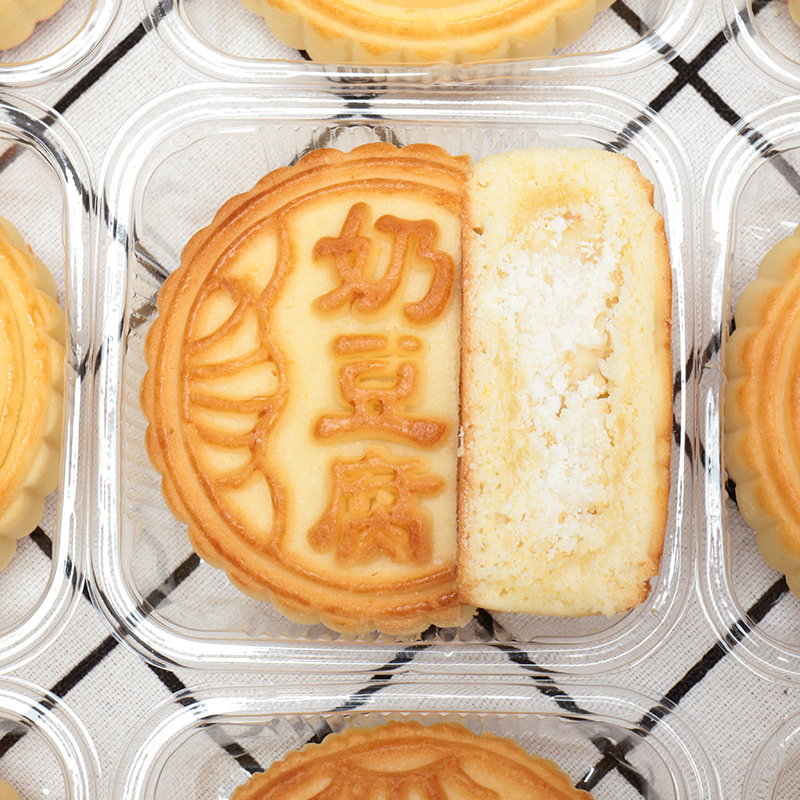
{"x": 761, "y": 410}
{"x": 32, "y": 335}
{"x": 302, "y": 390}
{"x": 443, "y": 761}
{"x": 397, "y": 31}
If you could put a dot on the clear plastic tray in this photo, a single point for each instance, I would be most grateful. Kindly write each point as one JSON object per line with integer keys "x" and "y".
{"x": 751, "y": 201}
{"x": 619, "y": 744}
{"x": 221, "y": 39}
{"x": 45, "y": 750}
{"x": 766, "y": 37}
{"x": 166, "y": 174}
{"x": 45, "y": 191}
{"x": 71, "y": 40}
{"x": 774, "y": 772}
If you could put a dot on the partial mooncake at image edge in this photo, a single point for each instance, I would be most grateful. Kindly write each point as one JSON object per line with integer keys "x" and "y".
{"x": 8, "y": 792}
{"x": 302, "y": 391}
{"x": 794, "y": 10}
{"x": 18, "y": 18}
{"x": 407, "y": 759}
{"x": 364, "y": 31}
{"x": 761, "y": 410}
{"x": 32, "y": 335}
{"x": 566, "y": 384}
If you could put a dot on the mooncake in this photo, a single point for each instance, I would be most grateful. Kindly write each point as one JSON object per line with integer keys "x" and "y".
{"x": 8, "y": 792}
{"x": 32, "y": 334}
{"x": 761, "y": 409}
{"x": 302, "y": 390}
{"x": 18, "y": 18}
{"x": 794, "y": 10}
{"x": 566, "y": 399}
{"x": 354, "y": 31}
{"x": 406, "y": 759}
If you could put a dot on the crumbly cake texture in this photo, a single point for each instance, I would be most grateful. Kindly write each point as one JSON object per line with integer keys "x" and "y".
{"x": 566, "y": 384}
{"x": 32, "y": 334}
{"x": 8, "y": 792}
{"x": 407, "y": 759}
{"x": 761, "y": 410}
{"x": 364, "y": 31}
{"x": 19, "y": 18}
{"x": 302, "y": 391}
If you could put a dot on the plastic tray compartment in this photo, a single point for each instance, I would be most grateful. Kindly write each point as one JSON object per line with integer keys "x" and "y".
{"x": 71, "y": 40}
{"x": 45, "y": 750}
{"x": 160, "y": 188}
{"x": 751, "y": 201}
{"x": 766, "y": 37}
{"x": 616, "y": 743}
{"x": 222, "y": 39}
{"x": 45, "y": 192}
{"x": 774, "y": 772}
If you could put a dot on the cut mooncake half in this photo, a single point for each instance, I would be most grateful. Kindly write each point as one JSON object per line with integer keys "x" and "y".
{"x": 761, "y": 410}
{"x": 392, "y": 31}
{"x": 19, "y": 17}
{"x": 566, "y": 384}
{"x": 32, "y": 334}
{"x": 410, "y": 760}
{"x": 302, "y": 391}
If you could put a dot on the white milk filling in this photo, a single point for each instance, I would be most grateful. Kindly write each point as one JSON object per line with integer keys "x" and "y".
{"x": 561, "y": 291}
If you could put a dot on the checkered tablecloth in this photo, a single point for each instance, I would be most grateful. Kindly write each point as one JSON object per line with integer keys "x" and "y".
{"x": 702, "y": 91}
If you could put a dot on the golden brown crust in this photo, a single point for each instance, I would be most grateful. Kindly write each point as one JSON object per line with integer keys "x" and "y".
{"x": 762, "y": 407}
{"x": 451, "y": 30}
{"x": 32, "y": 333}
{"x": 314, "y": 473}
{"x": 399, "y": 759}
{"x": 20, "y": 17}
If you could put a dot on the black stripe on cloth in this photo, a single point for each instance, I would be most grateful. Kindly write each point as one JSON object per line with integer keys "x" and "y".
{"x": 691, "y": 678}
{"x": 77, "y": 90}
{"x": 101, "y": 68}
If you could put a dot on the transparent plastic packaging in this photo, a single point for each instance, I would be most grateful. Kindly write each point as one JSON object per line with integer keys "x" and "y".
{"x": 766, "y": 37}
{"x": 45, "y": 193}
{"x": 774, "y": 772}
{"x": 751, "y": 202}
{"x": 166, "y": 174}
{"x": 47, "y": 751}
{"x": 225, "y": 41}
{"x": 617, "y": 743}
{"x": 69, "y": 41}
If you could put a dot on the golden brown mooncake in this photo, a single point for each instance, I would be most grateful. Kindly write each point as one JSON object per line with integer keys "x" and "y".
{"x": 364, "y": 31}
{"x": 32, "y": 332}
{"x": 567, "y": 416}
{"x": 7, "y": 791}
{"x": 406, "y": 759}
{"x": 794, "y": 10}
{"x": 302, "y": 390}
{"x": 761, "y": 410}
{"x": 19, "y": 17}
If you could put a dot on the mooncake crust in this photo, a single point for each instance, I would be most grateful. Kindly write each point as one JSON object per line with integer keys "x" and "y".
{"x": 8, "y": 792}
{"x": 365, "y": 31}
{"x": 386, "y": 578}
{"x": 20, "y": 17}
{"x": 32, "y": 335}
{"x": 761, "y": 410}
{"x": 438, "y": 762}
